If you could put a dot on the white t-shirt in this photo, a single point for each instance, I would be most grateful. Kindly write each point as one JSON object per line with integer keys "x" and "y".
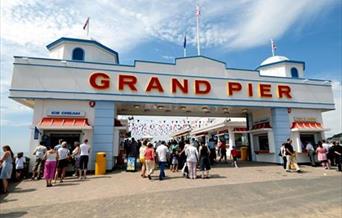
{"x": 84, "y": 149}
{"x": 309, "y": 147}
{"x": 191, "y": 154}
{"x": 19, "y": 163}
{"x": 63, "y": 153}
{"x": 326, "y": 146}
{"x": 142, "y": 150}
{"x": 40, "y": 151}
{"x": 162, "y": 151}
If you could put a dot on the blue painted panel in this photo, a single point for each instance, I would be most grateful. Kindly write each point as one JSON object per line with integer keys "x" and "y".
{"x": 281, "y": 128}
{"x": 104, "y": 121}
{"x": 103, "y": 130}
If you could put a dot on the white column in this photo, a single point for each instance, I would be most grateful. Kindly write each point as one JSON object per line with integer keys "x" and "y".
{"x": 271, "y": 142}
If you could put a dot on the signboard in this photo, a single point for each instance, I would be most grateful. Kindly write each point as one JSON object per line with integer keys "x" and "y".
{"x": 65, "y": 113}
{"x": 305, "y": 119}
{"x": 131, "y": 164}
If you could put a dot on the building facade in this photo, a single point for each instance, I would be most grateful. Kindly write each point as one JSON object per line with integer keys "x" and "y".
{"x": 79, "y": 91}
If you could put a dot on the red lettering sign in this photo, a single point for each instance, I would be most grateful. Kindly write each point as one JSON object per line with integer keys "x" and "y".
{"x": 127, "y": 80}
{"x": 154, "y": 84}
{"x": 99, "y": 80}
{"x": 184, "y": 88}
{"x": 265, "y": 91}
{"x": 250, "y": 89}
{"x": 233, "y": 87}
{"x": 284, "y": 90}
{"x": 202, "y": 87}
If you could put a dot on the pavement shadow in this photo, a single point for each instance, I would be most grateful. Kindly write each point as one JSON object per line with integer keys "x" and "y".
{"x": 65, "y": 184}
{"x": 216, "y": 176}
{"x": 99, "y": 177}
{"x": 19, "y": 190}
{"x": 8, "y": 200}
{"x": 13, "y": 214}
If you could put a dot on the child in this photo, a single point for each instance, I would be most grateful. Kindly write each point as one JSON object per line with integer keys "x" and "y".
{"x": 234, "y": 156}
{"x": 174, "y": 160}
{"x": 19, "y": 165}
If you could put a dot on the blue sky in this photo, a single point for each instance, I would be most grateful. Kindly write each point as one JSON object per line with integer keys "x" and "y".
{"x": 236, "y": 32}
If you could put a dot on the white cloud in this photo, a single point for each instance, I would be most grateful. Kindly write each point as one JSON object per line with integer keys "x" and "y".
{"x": 332, "y": 119}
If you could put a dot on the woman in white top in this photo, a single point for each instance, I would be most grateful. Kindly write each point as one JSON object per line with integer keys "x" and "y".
{"x": 142, "y": 150}
{"x": 84, "y": 158}
{"x": 63, "y": 155}
{"x": 191, "y": 160}
{"x": 51, "y": 157}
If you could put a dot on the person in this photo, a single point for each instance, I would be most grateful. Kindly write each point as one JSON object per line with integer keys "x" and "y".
{"x": 338, "y": 156}
{"x": 133, "y": 148}
{"x": 142, "y": 150}
{"x": 76, "y": 155}
{"x": 290, "y": 156}
{"x": 63, "y": 155}
{"x": 211, "y": 146}
{"x": 204, "y": 157}
{"x": 185, "y": 169}
{"x": 59, "y": 145}
{"x": 174, "y": 160}
{"x": 19, "y": 165}
{"x": 6, "y": 163}
{"x": 191, "y": 160}
{"x": 223, "y": 150}
{"x": 282, "y": 154}
{"x": 39, "y": 152}
{"x": 322, "y": 155}
{"x": 331, "y": 154}
{"x": 162, "y": 152}
{"x": 84, "y": 158}
{"x": 149, "y": 160}
{"x": 311, "y": 153}
{"x": 50, "y": 157}
{"x": 234, "y": 156}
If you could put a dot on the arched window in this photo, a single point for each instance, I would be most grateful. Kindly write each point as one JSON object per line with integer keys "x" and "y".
{"x": 294, "y": 72}
{"x": 78, "y": 54}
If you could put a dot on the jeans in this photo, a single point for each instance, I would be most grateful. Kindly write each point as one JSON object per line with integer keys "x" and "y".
{"x": 311, "y": 154}
{"x": 192, "y": 169}
{"x": 284, "y": 162}
{"x": 162, "y": 168}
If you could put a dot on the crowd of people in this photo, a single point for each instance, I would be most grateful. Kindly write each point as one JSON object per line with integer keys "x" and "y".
{"x": 328, "y": 154}
{"x": 189, "y": 157}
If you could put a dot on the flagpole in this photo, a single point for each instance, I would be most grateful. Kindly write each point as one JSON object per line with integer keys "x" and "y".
{"x": 88, "y": 27}
{"x": 197, "y": 29}
{"x": 184, "y": 46}
{"x": 272, "y": 47}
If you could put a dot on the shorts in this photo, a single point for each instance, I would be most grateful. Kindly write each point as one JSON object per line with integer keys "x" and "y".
{"x": 142, "y": 160}
{"x": 62, "y": 163}
{"x": 234, "y": 158}
{"x": 174, "y": 162}
{"x": 204, "y": 164}
{"x": 84, "y": 162}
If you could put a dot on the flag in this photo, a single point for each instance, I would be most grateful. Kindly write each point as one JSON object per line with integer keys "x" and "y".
{"x": 86, "y": 23}
{"x": 184, "y": 43}
{"x": 198, "y": 11}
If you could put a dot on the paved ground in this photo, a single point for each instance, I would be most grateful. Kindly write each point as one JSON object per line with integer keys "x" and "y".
{"x": 254, "y": 190}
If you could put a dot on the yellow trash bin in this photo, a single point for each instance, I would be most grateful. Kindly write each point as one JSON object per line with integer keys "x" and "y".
{"x": 100, "y": 163}
{"x": 244, "y": 153}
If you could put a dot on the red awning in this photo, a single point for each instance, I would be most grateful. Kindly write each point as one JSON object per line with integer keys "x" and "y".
{"x": 240, "y": 129}
{"x": 223, "y": 131}
{"x": 306, "y": 125}
{"x": 64, "y": 123}
{"x": 264, "y": 125}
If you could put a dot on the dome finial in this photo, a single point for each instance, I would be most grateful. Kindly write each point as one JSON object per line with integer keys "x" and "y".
{"x": 273, "y": 46}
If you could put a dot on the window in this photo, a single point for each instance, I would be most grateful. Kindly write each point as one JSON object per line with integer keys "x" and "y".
{"x": 78, "y": 54}
{"x": 294, "y": 72}
{"x": 263, "y": 143}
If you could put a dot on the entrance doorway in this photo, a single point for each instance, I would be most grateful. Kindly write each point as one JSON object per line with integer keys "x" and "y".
{"x": 51, "y": 138}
